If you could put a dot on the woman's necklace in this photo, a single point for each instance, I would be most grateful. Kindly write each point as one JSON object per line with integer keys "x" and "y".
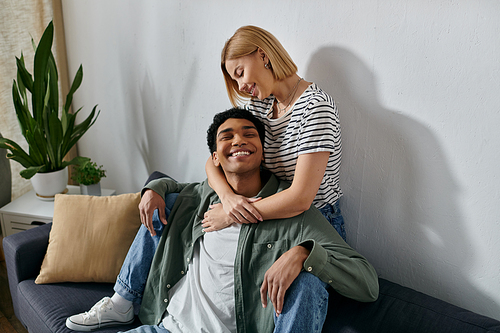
{"x": 294, "y": 90}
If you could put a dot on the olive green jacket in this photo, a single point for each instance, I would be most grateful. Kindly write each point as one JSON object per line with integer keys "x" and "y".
{"x": 259, "y": 246}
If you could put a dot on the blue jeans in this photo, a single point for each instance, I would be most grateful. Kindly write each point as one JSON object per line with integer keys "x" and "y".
{"x": 305, "y": 308}
{"x": 334, "y": 216}
{"x": 131, "y": 281}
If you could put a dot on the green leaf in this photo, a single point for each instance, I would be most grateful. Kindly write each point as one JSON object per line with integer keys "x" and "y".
{"x": 89, "y": 121}
{"x": 40, "y": 143}
{"x": 33, "y": 44}
{"x": 34, "y": 149}
{"x": 23, "y": 74}
{"x": 22, "y": 92}
{"x": 80, "y": 129}
{"x": 22, "y": 112}
{"x": 44, "y": 128}
{"x": 17, "y": 153}
{"x": 77, "y": 81}
{"x": 79, "y": 160}
{"x": 42, "y": 55}
{"x": 51, "y": 153}
{"x": 31, "y": 171}
{"x": 68, "y": 131}
{"x": 47, "y": 97}
{"x": 55, "y": 139}
{"x": 52, "y": 82}
{"x": 68, "y": 121}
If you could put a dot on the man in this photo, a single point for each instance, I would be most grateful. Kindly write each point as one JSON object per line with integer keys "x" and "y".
{"x": 220, "y": 281}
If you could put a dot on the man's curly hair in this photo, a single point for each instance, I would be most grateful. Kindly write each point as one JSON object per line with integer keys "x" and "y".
{"x": 236, "y": 113}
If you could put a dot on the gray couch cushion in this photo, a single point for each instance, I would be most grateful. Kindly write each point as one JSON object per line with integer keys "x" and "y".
{"x": 65, "y": 299}
{"x": 401, "y": 309}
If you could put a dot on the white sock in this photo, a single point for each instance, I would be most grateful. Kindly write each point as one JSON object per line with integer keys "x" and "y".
{"x": 121, "y": 304}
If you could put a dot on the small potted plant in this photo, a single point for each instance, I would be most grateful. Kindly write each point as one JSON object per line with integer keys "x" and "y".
{"x": 89, "y": 175}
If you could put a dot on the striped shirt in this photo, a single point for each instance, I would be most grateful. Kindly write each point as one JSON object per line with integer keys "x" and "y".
{"x": 311, "y": 126}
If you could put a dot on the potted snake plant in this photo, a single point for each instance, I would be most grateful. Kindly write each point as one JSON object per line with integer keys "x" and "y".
{"x": 49, "y": 129}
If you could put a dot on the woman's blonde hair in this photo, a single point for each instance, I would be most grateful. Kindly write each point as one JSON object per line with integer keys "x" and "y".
{"x": 247, "y": 40}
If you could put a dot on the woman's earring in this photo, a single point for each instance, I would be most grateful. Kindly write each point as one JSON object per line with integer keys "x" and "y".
{"x": 267, "y": 66}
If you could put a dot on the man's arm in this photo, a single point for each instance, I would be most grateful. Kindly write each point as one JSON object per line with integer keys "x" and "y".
{"x": 153, "y": 197}
{"x": 335, "y": 262}
{"x": 321, "y": 252}
{"x": 280, "y": 276}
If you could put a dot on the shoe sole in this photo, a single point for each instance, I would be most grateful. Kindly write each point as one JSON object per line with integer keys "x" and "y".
{"x": 89, "y": 328}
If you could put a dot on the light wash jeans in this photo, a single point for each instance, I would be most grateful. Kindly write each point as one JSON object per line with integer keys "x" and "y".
{"x": 131, "y": 281}
{"x": 306, "y": 301}
{"x": 305, "y": 308}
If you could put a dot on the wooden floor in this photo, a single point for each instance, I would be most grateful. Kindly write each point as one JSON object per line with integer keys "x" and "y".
{"x": 8, "y": 321}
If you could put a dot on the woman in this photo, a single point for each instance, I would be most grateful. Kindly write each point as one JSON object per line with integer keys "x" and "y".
{"x": 302, "y": 142}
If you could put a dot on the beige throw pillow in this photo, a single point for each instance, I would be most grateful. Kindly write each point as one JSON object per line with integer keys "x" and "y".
{"x": 90, "y": 238}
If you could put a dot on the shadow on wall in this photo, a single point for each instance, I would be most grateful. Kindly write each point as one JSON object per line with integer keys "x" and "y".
{"x": 156, "y": 117}
{"x": 165, "y": 116}
{"x": 400, "y": 199}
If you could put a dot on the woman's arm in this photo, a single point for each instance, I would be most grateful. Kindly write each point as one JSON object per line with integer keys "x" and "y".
{"x": 296, "y": 199}
{"x": 238, "y": 208}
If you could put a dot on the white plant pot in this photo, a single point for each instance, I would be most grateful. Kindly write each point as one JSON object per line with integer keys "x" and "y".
{"x": 94, "y": 189}
{"x": 48, "y": 184}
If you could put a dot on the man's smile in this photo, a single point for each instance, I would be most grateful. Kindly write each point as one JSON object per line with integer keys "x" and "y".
{"x": 240, "y": 152}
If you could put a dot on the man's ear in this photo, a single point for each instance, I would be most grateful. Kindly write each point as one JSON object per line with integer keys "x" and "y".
{"x": 215, "y": 159}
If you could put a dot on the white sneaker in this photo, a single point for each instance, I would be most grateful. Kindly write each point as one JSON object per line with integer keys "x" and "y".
{"x": 102, "y": 314}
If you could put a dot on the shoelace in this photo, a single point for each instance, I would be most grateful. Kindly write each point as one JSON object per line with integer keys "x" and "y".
{"x": 96, "y": 309}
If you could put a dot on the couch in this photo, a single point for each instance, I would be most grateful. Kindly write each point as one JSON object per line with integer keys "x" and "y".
{"x": 43, "y": 308}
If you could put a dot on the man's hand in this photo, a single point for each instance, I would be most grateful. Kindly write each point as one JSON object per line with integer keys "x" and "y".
{"x": 280, "y": 276}
{"x": 151, "y": 201}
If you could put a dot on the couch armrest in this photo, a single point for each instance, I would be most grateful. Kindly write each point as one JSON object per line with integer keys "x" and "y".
{"x": 24, "y": 253}
{"x": 156, "y": 175}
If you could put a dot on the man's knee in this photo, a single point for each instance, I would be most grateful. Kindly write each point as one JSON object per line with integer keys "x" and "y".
{"x": 307, "y": 282}
{"x": 306, "y": 305}
{"x": 306, "y": 287}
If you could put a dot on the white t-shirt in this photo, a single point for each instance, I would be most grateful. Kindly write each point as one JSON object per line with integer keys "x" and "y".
{"x": 203, "y": 300}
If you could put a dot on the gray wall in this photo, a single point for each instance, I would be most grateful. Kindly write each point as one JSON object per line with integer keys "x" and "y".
{"x": 417, "y": 84}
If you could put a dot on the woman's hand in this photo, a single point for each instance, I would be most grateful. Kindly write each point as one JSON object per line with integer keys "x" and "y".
{"x": 216, "y": 218}
{"x": 240, "y": 208}
{"x": 151, "y": 201}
